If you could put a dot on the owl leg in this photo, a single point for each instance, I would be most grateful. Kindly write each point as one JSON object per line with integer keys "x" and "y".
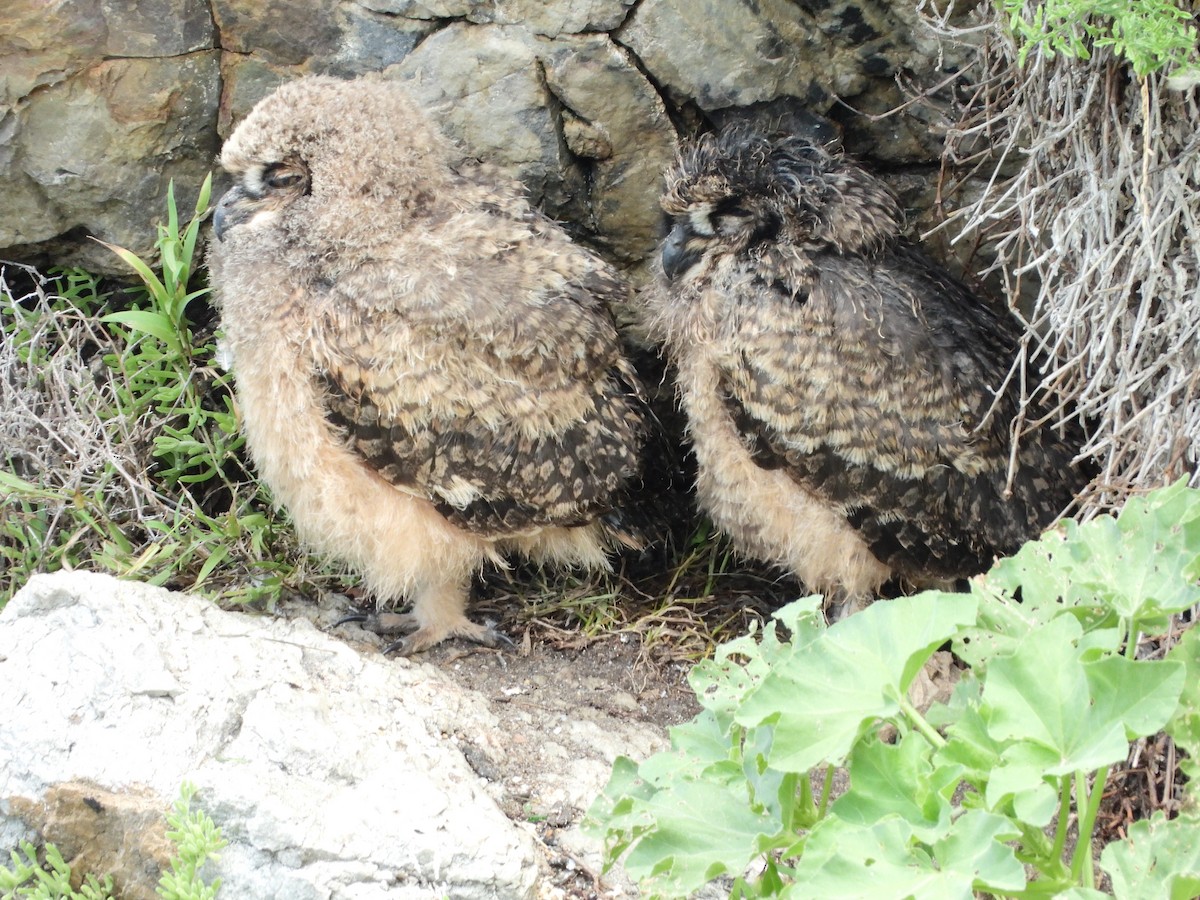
{"x": 840, "y": 603}
{"x": 439, "y": 612}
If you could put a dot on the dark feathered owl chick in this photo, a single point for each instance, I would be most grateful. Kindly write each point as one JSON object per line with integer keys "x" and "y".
{"x": 849, "y": 401}
{"x": 427, "y": 372}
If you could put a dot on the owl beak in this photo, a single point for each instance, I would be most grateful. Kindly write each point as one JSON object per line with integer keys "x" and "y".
{"x": 677, "y": 256}
{"x": 232, "y": 209}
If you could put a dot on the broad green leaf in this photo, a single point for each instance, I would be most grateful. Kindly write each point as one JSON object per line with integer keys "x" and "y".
{"x": 978, "y": 843}
{"x": 896, "y": 779}
{"x": 619, "y": 814}
{"x": 828, "y": 692}
{"x": 1184, "y": 726}
{"x": 1041, "y": 694}
{"x": 877, "y": 862}
{"x": 969, "y": 745}
{"x": 703, "y": 830}
{"x": 767, "y": 785}
{"x": 695, "y": 747}
{"x": 1037, "y": 574}
{"x": 1139, "y": 568}
{"x": 1160, "y": 858}
{"x": 1138, "y": 563}
{"x": 723, "y": 682}
{"x": 1019, "y": 782}
{"x": 1140, "y": 695}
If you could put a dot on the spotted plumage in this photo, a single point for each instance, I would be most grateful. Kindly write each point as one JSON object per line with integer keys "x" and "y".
{"x": 427, "y": 370}
{"x": 849, "y": 401}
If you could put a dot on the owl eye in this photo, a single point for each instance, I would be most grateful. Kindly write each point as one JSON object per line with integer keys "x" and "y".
{"x": 732, "y": 211}
{"x": 279, "y": 177}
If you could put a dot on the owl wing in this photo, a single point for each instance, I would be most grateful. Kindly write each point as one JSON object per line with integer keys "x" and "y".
{"x": 525, "y": 416}
{"x": 880, "y": 395}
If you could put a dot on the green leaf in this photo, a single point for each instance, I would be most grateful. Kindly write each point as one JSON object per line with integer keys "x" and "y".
{"x": 1041, "y": 694}
{"x": 1140, "y": 695}
{"x": 896, "y": 780}
{"x": 884, "y": 862}
{"x": 151, "y": 323}
{"x": 1138, "y": 568}
{"x": 1021, "y": 781}
{"x": 134, "y": 262}
{"x": 1184, "y": 725}
{"x": 969, "y": 745}
{"x": 703, "y": 830}
{"x": 1160, "y": 858}
{"x": 824, "y": 695}
{"x": 978, "y": 843}
{"x": 1005, "y": 621}
{"x": 696, "y": 747}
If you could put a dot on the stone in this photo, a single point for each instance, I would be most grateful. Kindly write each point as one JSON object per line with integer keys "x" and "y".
{"x": 573, "y": 118}
{"x": 539, "y": 16}
{"x": 720, "y": 54}
{"x": 582, "y": 100}
{"x": 93, "y": 155}
{"x": 617, "y": 128}
{"x": 332, "y": 772}
{"x": 483, "y": 86}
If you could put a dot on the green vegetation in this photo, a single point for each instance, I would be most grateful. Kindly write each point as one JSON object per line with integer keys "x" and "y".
{"x": 136, "y": 468}
{"x": 1149, "y": 34}
{"x": 196, "y": 841}
{"x": 975, "y": 794}
{"x": 29, "y": 878}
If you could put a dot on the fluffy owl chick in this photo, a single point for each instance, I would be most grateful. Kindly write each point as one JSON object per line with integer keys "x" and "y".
{"x": 849, "y": 400}
{"x": 427, "y": 372}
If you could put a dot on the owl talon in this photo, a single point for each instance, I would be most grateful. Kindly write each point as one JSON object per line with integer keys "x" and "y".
{"x": 400, "y": 646}
{"x": 417, "y": 637}
{"x": 486, "y": 634}
{"x": 381, "y": 623}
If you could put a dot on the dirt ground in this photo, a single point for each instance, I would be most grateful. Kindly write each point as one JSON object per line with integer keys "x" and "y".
{"x": 537, "y": 690}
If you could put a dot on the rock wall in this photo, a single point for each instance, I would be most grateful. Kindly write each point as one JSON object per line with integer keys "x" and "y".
{"x": 104, "y": 103}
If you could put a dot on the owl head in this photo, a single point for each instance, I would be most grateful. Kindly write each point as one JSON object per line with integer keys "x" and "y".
{"x": 330, "y": 165}
{"x": 733, "y": 193}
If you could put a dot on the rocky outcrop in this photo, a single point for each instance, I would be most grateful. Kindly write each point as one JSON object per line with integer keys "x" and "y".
{"x": 105, "y": 103}
{"x": 332, "y": 772}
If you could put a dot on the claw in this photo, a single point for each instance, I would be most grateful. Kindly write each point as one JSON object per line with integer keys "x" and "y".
{"x": 498, "y": 637}
{"x": 486, "y": 634}
{"x": 418, "y": 636}
{"x": 381, "y": 623}
{"x": 397, "y": 645}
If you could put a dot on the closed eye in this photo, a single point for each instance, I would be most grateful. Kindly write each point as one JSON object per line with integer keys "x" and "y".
{"x": 280, "y": 177}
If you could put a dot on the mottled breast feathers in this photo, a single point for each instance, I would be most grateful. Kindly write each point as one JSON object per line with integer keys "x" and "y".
{"x": 521, "y": 415}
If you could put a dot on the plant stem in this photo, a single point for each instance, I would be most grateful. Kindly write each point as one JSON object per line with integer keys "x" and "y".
{"x": 804, "y": 810}
{"x": 1064, "y": 816}
{"x": 826, "y": 790}
{"x": 1088, "y": 806}
{"x": 927, "y": 731}
{"x": 1132, "y": 638}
